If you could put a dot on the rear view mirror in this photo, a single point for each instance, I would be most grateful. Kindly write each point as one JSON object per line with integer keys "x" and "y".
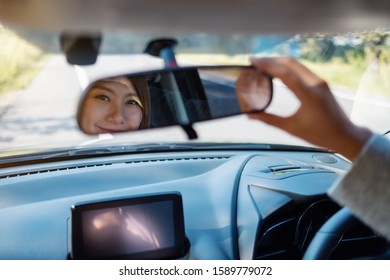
{"x": 179, "y": 96}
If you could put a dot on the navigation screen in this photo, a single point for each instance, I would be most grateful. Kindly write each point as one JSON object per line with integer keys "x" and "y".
{"x": 137, "y": 228}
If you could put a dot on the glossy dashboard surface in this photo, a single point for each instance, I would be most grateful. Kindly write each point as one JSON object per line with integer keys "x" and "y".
{"x": 228, "y": 197}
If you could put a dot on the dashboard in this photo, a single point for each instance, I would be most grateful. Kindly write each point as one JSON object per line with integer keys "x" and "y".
{"x": 237, "y": 204}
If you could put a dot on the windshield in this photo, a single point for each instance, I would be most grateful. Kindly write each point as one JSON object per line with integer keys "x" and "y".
{"x": 40, "y": 91}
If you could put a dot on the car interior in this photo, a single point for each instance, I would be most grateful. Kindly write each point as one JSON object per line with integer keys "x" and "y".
{"x": 187, "y": 199}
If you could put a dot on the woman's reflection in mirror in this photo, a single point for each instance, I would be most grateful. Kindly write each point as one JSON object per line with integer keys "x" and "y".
{"x": 115, "y": 105}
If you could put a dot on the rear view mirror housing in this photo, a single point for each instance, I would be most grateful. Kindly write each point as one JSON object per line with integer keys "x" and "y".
{"x": 172, "y": 96}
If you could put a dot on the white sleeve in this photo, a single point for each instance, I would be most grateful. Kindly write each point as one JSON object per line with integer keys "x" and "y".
{"x": 365, "y": 189}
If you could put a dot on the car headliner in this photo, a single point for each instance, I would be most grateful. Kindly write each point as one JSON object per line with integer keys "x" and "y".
{"x": 218, "y": 16}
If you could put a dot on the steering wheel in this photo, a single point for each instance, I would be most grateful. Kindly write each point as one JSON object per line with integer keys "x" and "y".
{"x": 329, "y": 235}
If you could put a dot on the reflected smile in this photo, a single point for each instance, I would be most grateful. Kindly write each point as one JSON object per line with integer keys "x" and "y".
{"x": 111, "y": 130}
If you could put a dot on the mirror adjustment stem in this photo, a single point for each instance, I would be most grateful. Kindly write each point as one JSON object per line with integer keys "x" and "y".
{"x": 190, "y": 131}
{"x": 164, "y": 49}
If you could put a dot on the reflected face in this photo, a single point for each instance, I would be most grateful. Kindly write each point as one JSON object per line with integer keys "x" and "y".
{"x": 111, "y": 106}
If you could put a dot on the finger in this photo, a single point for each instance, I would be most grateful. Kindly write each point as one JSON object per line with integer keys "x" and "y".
{"x": 286, "y": 67}
{"x": 292, "y": 73}
{"x": 271, "y": 119}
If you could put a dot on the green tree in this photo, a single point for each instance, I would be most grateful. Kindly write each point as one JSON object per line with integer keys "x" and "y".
{"x": 376, "y": 44}
{"x": 317, "y": 48}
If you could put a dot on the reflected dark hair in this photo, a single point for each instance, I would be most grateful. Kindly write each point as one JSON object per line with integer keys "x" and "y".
{"x": 141, "y": 87}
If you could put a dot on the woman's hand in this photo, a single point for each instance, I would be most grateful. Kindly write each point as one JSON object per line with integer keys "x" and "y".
{"x": 319, "y": 119}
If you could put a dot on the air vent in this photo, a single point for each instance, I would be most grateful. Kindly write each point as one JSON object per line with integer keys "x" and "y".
{"x": 277, "y": 241}
{"x": 278, "y": 234}
{"x": 73, "y": 167}
{"x": 287, "y": 233}
{"x": 42, "y": 171}
{"x": 311, "y": 221}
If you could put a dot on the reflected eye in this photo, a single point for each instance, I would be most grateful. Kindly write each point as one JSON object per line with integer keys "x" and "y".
{"x": 102, "y": 98}
{"x": 132, "y": 102}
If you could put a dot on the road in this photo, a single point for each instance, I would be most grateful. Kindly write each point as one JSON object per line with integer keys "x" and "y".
{"x": 44, "y": 113}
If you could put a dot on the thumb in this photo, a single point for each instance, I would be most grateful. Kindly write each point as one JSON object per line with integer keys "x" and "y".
{"x": 270, "y": 119}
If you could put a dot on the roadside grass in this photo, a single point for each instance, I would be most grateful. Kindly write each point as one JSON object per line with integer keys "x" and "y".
{"x": 19, "y": 61}
{"x": 371, "y": 79}
{"x": 338, "y": 74}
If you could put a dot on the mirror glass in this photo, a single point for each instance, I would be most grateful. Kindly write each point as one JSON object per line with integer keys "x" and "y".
{"x": 167, "y": 97}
